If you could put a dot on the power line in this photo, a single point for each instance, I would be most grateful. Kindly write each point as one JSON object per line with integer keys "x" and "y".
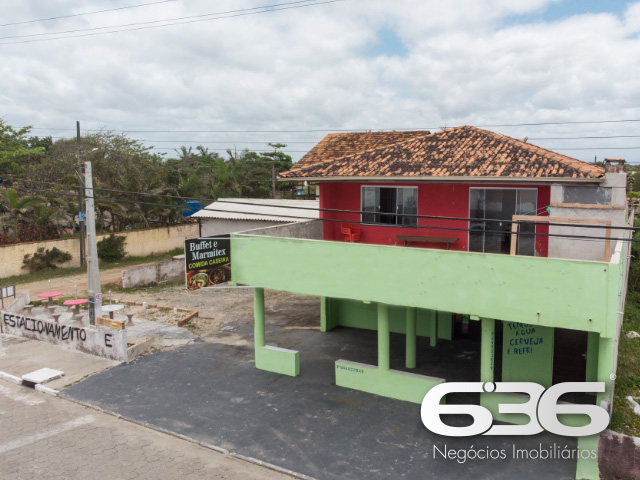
{"x": 585, "y": 137}
{"x": 246, "y": 12}
{"x": 605, "y": 137}
{"x": 266, "y": 142}
{"x": 403, "y": 129}
{"x": 152, "y": 21}
{"x": 329, "y": 210}
{"x": 86, "y": 13}
{"x": 535, "y": 234}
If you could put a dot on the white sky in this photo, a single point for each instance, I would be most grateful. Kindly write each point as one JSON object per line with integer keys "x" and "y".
{"x": 354, "y": 64}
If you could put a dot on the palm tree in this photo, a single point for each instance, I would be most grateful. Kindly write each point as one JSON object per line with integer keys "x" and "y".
{"x": 18, "y": 207}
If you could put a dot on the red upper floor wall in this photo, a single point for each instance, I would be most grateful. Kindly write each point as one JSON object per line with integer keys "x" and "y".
{"x": 434, "y": 199}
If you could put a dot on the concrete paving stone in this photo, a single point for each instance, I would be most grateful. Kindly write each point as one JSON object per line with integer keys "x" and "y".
{"x": 106, "y": 447}
{"x": 42, "y": 375}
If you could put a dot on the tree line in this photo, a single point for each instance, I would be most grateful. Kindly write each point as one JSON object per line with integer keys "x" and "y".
{"x": 39, "y": 178}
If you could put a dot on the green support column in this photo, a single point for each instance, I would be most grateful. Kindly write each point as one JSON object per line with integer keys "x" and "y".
{"x": 588, "y": 469}
{"x": 592, "y": 357}
{"x": 411, "y": 338}
{"x": 487, "y": 352}
{"x": 433, "y": 327}
{"x": 605, "y": 366}
{"x": 383, "y": 336}
{"x": 328, "y": 314}
{"x": 258, "y": 314}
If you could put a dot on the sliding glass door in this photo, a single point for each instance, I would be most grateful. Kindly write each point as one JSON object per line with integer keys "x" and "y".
{"x": 494, "y": 208}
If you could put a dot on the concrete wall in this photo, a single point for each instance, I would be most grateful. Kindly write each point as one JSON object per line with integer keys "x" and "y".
{"x": 154, "y": 274}
{"x": 311, "y": 230}
{"x": 139, "y": 243}
{"x": 218, "y": 226}
{"x": 95, "y": 340}
{"x": 588, "y": 249}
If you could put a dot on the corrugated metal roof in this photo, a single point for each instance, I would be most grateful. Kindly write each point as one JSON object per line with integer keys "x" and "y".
{"x": 260, "y": 209}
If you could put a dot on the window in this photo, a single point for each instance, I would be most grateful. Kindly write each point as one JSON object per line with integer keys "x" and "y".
{"x": 390, "y": 205}
{"x": 589, "y": 195}
{"x": 494, "y": 209}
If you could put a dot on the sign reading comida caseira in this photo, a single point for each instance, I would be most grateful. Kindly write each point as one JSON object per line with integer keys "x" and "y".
{"x": 100, "y": 341}
{"x": 207, "y": 261}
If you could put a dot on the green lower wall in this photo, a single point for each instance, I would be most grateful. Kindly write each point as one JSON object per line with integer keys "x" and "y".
{"x": 278, "y": 360}
{"x": 388, "y": 383}
{"x": 352, "y": 313}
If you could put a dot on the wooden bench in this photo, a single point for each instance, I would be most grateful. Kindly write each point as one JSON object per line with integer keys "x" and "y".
{"x": 409, "y": 239}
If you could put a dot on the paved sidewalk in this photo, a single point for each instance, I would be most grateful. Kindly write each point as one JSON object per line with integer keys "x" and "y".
{"x": 50, "y": 438}
{"x": 21, "y": 356}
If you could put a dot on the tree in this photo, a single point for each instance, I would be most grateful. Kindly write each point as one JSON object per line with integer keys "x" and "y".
{"x": 18, "y": 208}
{"x": 14, "y": 145}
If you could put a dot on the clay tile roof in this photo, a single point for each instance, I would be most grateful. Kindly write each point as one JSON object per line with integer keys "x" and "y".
{"x": 336, "y": 145}
{"x": 461, "y": 151}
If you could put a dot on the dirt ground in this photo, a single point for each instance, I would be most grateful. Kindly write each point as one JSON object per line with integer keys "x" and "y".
{"x": 225, "y": 315}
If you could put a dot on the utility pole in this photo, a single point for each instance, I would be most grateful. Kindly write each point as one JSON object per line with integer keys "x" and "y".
{"x": 93, "y": 272}
{"x": 273, "y": 178}
{"x": 80, "y": 206}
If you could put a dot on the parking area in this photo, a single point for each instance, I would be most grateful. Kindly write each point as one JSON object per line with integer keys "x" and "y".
{"x": 213, "y": 393}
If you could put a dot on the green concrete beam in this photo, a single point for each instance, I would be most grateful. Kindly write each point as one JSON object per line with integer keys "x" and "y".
{"x": 551, "y": 292}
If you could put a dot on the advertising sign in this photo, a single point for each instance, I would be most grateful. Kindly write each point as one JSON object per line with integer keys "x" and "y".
{"x": 207, "y": 261}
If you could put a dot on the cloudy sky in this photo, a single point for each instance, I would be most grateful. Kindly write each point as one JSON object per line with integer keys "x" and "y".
{"x": 292, "y": 71}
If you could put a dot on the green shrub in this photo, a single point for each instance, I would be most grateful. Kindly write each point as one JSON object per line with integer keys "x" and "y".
{"x": 111, "y": 248}
{"x": 44, "y": 259}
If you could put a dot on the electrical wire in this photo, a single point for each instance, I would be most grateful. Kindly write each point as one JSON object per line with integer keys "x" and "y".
{"x": 534, "y": 234}
{"x": 155, "y": 21}
{"x": 221, "y": 16}
{"x": 329, "y": 210}
{"x": 193, "y": 140}
{"x": 84, "y": 14}
{"x": 594, "y": 122}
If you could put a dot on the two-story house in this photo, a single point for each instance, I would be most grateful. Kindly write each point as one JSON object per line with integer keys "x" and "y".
{"x": 459, "y": 235}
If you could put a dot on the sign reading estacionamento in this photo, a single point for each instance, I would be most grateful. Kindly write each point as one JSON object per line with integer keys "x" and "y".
{"x": 207, "y": 261}
{"x": 100, "y": 341}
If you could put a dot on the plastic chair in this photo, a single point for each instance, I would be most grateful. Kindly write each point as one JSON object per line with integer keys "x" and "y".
{"x": 351, "y": 234}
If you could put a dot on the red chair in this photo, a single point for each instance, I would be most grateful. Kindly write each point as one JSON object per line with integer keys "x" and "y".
{"x": 351, "y": 234}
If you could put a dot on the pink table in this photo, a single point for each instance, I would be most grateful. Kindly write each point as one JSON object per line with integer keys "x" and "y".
{"x": 49, "y": 296}
{"x": 76, "y": 303}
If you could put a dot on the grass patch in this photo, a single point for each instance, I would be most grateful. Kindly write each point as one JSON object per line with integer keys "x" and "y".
{"x": 628, "y": 380}
{"x": 70, "y": 271}
{"x": 623, "y": 419}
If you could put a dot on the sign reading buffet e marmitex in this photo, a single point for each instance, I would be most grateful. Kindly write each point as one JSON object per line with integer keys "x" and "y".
{"x": 207, "y": 261}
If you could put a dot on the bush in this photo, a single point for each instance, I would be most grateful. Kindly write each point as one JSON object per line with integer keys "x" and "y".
{"x": 44, "y": 259}
{"x": 111, "y": 248}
